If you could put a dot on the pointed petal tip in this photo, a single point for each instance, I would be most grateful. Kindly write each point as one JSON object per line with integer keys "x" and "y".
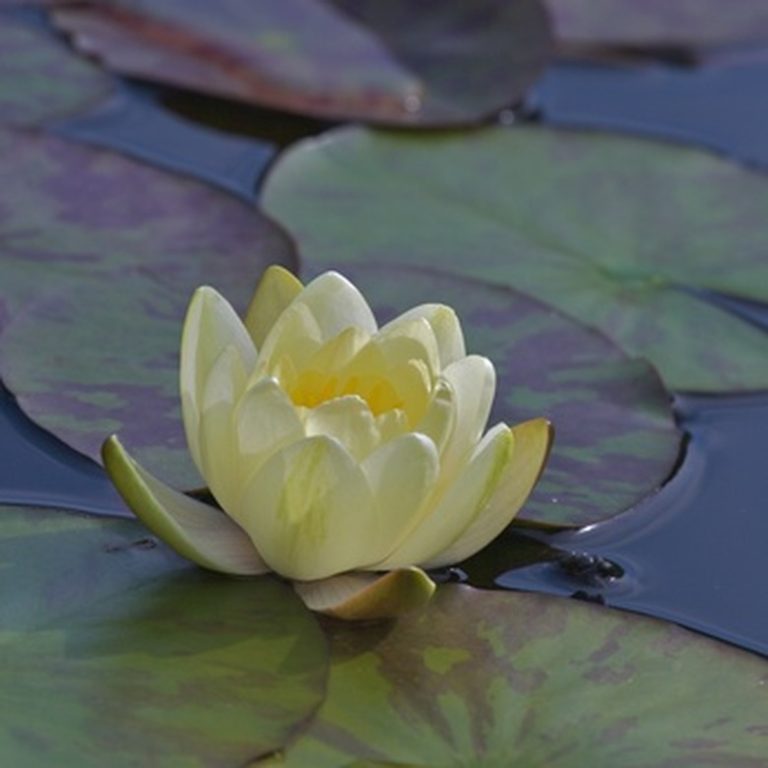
{"x": 368, "y": 596}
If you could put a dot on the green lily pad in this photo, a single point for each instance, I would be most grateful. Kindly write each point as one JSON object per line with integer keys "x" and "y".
{"x": 451, "y": 62}
{"x": 620, "y": 233}
{"x": 99, "y": 257}
{"x": 492, "y": 680}
{"x": 116, "y": 652}
{"x": 40, "y": 80}
{"x": 644, "y": 23}
{"x": 615, "y": 434}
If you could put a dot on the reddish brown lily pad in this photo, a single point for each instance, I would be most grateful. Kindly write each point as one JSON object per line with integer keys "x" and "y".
{"x": 98, "y": 258}
{"x": 507, "y": 679}
{"x": 402, "y": 62}
{"x": 41, "y": 80}
{"x": 659, "y": 23}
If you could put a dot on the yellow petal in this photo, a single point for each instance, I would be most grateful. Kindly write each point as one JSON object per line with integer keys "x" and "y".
{"x": 200, "y": 533}
{"x": 210, "y": 326}
{"x": 412, "y": 339}
{"x": 275, "y": 291}
{"x": 295, "y": 337}
{"x": 532, "y": 441}
{"x": 218, "y": 445}
{"x": 459, "y": 506}
{"x": 359, "y": 596}
{"x": 445, "y": 327}
{"x": 307, "y": 509}
{"x": 401, "y": 474}
{"x": 349, "y": 420}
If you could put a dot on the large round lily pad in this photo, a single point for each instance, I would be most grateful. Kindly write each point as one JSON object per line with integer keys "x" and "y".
{"x": 645, "y": 23}
{"x": 620, "y": 233}
{"x": 116, "y": 652}
{"x": 41, "y": 80}
{"x": 450, "y": 62}
{"x": 615, "y": 435}
{"x": 492, "y": 680}
{"x": 99, "y": 256}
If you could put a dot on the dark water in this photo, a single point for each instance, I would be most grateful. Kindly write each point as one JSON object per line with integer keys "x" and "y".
{"x": 693, "y": 553}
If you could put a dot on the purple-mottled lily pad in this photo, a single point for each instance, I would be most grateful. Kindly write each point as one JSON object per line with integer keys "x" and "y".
{"x": 115, "y": 651}
{"x": 659, "y": 23}
{"x": 40, "y": 80}
{"x": 615, "y": 435}
{"x": 624, "y": 234}
{"x": 100, "y": 255}
{"x": 401, "y": 62}
{"x": 502, "y": 679}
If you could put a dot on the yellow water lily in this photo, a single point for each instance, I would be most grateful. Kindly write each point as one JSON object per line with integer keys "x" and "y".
{"x": 344, "y": 456}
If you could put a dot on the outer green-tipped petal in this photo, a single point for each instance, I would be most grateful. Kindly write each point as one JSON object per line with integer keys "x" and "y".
{"x": 211, "y": 325}
{"x": 445, "y": 326}
{"x": 466, "y": 497}
{"x": 195, "y": 530}
{"x": 275, "y": 291}
{"x": 308, "y": 510}
{"x": 358, "y": 596}
{"x": 531, "y": 444}
{"x": 336, "y": 304}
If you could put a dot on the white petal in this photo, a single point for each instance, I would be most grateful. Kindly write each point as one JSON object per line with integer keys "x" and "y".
{"x": 459, "y": 505}
{"x": 308, "y": 510}
{"x": 349, "y": 420}
{"x": 366, "y": 596}
{"x": 295, "y": 336}
{"x": 275, "y": 291}
{"x": 445, "y": 327}
{"x": 210, "y": 326}
{"x": 473, "y": 380}
{"x": 531, "y": 442}
{"x": 440, "y": 418}
{"x": 336, "y": 304}
{"x": 401, "y": 474}
{"x": 413, "y": 339}
{"x": 195, "y": 530}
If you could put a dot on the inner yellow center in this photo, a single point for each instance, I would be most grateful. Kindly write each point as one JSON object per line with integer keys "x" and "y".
{"x": 312, "y": 388}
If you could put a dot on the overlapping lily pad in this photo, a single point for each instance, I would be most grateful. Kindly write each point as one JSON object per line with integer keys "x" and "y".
{"x": 116, "y": 652}
{"x": 622, "y": 234}
{"x": 99, "y": 256}
{"x": 397, "y": 62}
{"x": 41, "y": 80}
{"x": 494, "y": 680}
{"x": 644, "y": 23}
{"x": 615, "y": 436}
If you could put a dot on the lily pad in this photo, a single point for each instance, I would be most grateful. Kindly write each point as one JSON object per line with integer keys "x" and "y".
{"x": 675, "y": 23}
{"x": 397, "y": 62}
{"x": 100, "y": 255}
{"x": 615, "y": 434}
{"x": 40, "y": 80}
{"x": 530, "y": 680}
{"x": 620, "y": 233}
{"x": 115, "y": 651}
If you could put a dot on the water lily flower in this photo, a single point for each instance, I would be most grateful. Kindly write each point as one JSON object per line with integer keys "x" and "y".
{"x": 343, "y": 456}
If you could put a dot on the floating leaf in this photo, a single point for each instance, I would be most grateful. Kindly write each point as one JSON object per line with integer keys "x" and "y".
{"x": 116, "y": 651}
{"x": 615, "y": 436}
{"x": 41, "y": 80}
{"x": 499, "y": 679}
{"x": 620, "y": 233}
{"x": 666, "y": 102}
{"x": 397, "y": 62}
{"x": 674, "y": 23}
{"x": 100, "y": 255}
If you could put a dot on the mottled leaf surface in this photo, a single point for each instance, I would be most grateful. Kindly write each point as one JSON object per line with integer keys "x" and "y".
{"x": 528, "y": 680}
{"x": 115, "y": 651}
{"x": 638, "y": 23}
{"x": 620, "y": 233}
{"x": 41, "y": 80}
{"x": 398, "y": 62}
{"x": 615, "y": 436}
{"x": 99, "y": 257}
